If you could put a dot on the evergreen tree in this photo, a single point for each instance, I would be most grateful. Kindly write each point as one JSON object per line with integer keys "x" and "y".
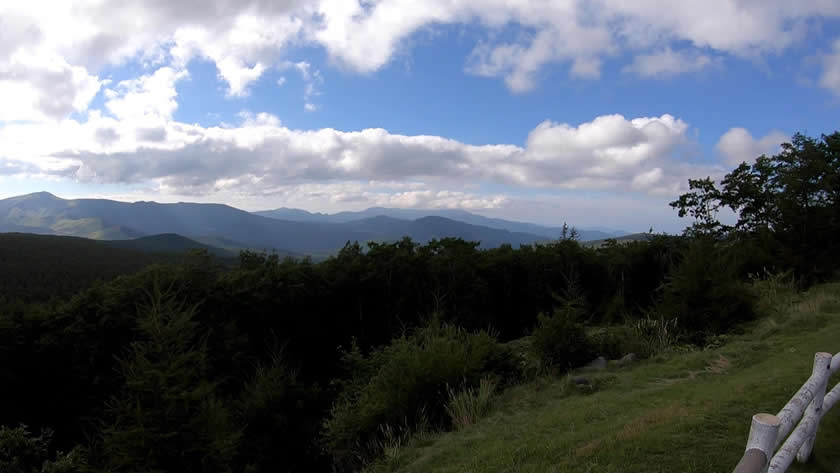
{"x": 167, "y": 417}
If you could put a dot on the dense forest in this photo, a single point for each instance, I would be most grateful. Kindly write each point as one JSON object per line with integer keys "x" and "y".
{"x": 119, "y": 362}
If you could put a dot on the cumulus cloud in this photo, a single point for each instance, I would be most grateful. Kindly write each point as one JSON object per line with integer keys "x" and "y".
{"x": 260, "y": 155}
{"x": 830, "y": 78}
{"x": 72, "y": 41}
{"x": 39, "y": 85}
{"x": 733, "y": 26}
{"x": 240, "y": 37}
{"x": 560, "y": 36}
{"x": 366, "y": 35}
{"x": 149, "y": 95}
{"x": 738, "y": 145}
{"x": 610, "y": 152}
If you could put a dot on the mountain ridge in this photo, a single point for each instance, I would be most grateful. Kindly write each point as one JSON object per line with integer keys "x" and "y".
{"x": 168, "y": 243}
{"x": 46, "y": 213}
{"x": 293, "y": 214}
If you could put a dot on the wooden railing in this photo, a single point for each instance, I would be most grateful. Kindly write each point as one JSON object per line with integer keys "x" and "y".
{"x": 773, "y": 441}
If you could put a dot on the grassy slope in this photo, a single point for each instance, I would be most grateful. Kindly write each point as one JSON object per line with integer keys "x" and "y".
{"x": 685, "y": 412}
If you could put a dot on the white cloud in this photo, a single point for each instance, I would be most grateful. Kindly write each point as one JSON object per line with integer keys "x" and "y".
{"x": 241, "y": 37}
{"x": 738, "y": 145}
{"x": 830, "y": 78}
{"x": 360, "y": 195}
{"x": 647, "y": 179}
{"x": 260, "y": 155}
{"x": 244, "y": 38}
{"x": 38, "y": 85}
{"x": 149, "y": 95}
{"x": 586, "y": 68}
{"x": 312, "y": 78}
{"x": 609, "y": 152}
{"x": 561, "y": 40}
{"x": 365, "y": 36}
{"x": 668, "y": 63}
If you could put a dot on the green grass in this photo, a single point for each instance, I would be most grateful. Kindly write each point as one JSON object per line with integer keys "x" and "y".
{"x": 680, "y": 412}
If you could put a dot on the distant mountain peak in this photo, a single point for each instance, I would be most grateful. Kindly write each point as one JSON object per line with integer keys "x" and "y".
{"x": 35, "y": 199}
{"x": 41, "y": 195}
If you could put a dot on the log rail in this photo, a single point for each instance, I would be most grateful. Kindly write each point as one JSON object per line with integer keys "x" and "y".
{"x": 773, "y": 441}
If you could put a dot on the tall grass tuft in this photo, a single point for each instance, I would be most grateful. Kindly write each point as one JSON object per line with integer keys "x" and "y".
{"x": 769, "y": 285}
{"x": 466, "y": 407}
{"x": 656, "y": 334}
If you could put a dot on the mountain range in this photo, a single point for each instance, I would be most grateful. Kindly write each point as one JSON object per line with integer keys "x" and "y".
{"x": 298, "y": 215}
{"x": 224, "y": 228}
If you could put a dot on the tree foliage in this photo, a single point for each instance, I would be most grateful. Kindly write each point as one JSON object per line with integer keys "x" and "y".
{"x": 167, "y": 416}
{"x": 789, "y": 202}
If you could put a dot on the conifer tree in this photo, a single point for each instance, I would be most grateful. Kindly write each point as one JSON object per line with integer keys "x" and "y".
{"x": 167, "y": 417}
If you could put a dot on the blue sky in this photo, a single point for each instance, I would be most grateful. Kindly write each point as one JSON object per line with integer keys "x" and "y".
{"x": 777, "y": 93}
{"x": 594, "y": 113}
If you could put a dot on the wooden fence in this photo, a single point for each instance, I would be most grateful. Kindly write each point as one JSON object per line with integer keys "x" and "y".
{"x": 773, "y": 441}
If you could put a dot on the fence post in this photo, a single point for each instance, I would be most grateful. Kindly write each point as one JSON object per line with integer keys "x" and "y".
{"x": 760, "y": 444}
{"x": 822, "y": 367}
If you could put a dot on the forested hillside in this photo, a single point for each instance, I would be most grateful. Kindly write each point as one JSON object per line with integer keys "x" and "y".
{"x": 290, "y": 365}
{"x": 43, "y": 269}
{"x": 170, "y": 243}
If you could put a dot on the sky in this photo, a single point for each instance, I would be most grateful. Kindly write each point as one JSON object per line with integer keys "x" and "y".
{"x": 593, "y": 112}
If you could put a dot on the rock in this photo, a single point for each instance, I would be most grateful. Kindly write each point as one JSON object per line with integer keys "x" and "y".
{"x": 581, "y": 380}
{"x": 626, "y": 359}
{"x": 599, "y": 363}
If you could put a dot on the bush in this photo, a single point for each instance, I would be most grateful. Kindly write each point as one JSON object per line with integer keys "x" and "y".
{"x": 525, "y": 362}
{"x": 645, "y": 337}
{"x": 704, "y": 292}
{"x": 560, "y": 340}
{"x": 405, "y": 384}
{"x": 612, "y": 341}
{"x": 280, "y": 414}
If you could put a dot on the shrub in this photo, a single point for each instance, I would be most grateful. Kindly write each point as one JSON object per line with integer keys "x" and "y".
{"x": 526, "y": 365}
{"x": 560, "y": 339}
{"x": 280, "y": 414}
{"x": 704, "y": 292}
{"x": 612, "y": 341}
{"x": 645, "y": 337}
{"x": 466, "y": 407}
{"x": 403, "y": 385}
{"x": 773, "y": 290}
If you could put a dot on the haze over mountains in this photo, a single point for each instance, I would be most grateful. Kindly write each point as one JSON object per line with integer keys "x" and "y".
{"x": 286, "y": 230}
{"x": 299, "y": 215}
